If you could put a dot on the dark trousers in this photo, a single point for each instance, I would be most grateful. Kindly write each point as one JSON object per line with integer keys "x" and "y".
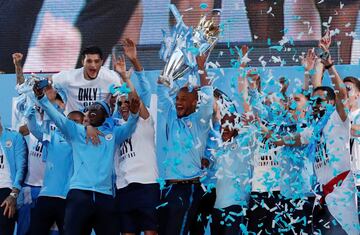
{"x": 179, "y": 203}
{"x": 6, "y": 225}
{"x": 358, "y": 200}
{"x": 227, "y": 221}
{"x": 203, "y": 213}
{"x": 296, "y": 216}
{"x": 263, "y": 208}
{"x": 87, "y": 210}
{"x": 47, "y": 211}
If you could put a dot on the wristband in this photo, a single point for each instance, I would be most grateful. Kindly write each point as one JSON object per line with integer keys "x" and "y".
{"x": 306, "y": 72}
{"x": 329, "y": 66}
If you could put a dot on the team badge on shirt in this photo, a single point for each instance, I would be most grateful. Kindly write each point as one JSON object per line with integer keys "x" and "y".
{"x": 108, "y": 137}
{"x": 8, "y": 144}
{"x": 233, "y": 146}
{"x": 189, "y": 124}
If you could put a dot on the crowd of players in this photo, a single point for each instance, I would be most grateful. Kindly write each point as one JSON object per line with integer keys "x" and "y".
{"x": 284, "y": 164}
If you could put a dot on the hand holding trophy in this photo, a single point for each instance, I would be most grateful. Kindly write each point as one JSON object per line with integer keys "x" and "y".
{"x": 179, "y": 50}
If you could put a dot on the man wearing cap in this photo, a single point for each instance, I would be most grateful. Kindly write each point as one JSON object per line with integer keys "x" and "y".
{"x": 89, "y": 203}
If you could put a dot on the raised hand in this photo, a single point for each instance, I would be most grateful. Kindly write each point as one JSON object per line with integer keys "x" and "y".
{"x": 309, "y": 60}
{"x": 129, "y": 49}
{"x": 325, "y": 41}
{"x": 17, "y": 58}
{"x": 92, "y": 134}
{"x": 201, "y": 60}
{"x": 39, "y": 92}
{"x": 119, "y": 65}
{"x": 134, "y": 102}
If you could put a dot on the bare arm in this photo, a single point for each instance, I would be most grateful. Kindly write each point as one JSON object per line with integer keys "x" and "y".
{"x": 340, "y": 91}
{"x": 201, "y": 62}
{"x": 17, "y": 59}
{"x": 309, "y": 63}
{"x": 120, "y": 67}
{"x": 324, "y": 44}
{"x": 243, "y": 83}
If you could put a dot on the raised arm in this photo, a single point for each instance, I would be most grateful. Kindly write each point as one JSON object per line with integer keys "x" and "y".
{"x": 33, "y": 126}
{"x": 243, "y": 82}
{"x": 340, "y": 89}
{"x": 144, "y": 89}
{"x": 67, "y": 127}
{"x": 201, "y": 63}
{"x": 120, "y": 67}
{"x": 309, "y": 64}
{"x": 125, "y": 131}
{"x": 17, "y": 60}
{"x": 324, "y": 44}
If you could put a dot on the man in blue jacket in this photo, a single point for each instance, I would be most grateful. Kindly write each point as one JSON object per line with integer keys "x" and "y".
{"x": 50, "y": 205}
{"x": 13, "y": 153}
{"x": 89, "y": 203}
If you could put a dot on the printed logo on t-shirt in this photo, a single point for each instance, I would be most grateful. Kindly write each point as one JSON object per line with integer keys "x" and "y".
{"x": 268, "y": 159}
{"x": 37, "y": 150}
{"x": 321, "y": 157}
{"x": 127, "y": 150}
{"x": 87, "y": 96}
{"x": 2, "y": 164}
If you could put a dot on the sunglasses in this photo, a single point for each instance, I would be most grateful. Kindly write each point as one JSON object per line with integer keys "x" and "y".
{"x": 125, "y": 102}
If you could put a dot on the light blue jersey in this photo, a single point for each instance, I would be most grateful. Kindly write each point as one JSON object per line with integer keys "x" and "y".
{"x": 93, "y": 164}
{"x": 58, "y": 158}
{"x": 185, "y": 137}
{"x": 15, "y": 151}
{"x": 234, "y": 171}
{"x": 212, "y": 143}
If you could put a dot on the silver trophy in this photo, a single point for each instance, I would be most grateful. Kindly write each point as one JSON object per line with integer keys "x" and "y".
{"x": 179, "y": 50}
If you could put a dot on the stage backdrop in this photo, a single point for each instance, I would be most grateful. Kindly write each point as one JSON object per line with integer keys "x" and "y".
{"x": 51, "y": 33}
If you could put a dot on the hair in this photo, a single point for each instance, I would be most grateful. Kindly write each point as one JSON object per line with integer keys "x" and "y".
{"x": 354, "y": 81}
{"x": 91, "y": 50}
{"x": 190, "y": 90}
{"x": 58, "y": 97}
{"x": 330, "y": 94}
{"x": 76, "y": 112}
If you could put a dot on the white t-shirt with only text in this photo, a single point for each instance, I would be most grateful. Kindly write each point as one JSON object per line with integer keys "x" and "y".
{"x": 5, "y": 177}
{"x": 135, "y": 159}
{"x": 80, "y": 92}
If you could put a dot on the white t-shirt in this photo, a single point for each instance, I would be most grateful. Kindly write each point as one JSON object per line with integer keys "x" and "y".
{"x": 5, "y": 177}
{"x": 135, "y": 159}
{"x": 36, "y": 165}
{"x": 81, "y": 92}
{"x": 355, "y": 147}
{"x": 266, "y": 173}
{"x": 333, "y": 150}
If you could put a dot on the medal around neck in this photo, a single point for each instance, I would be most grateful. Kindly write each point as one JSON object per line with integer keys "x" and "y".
{"x": 179, "y": 50}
